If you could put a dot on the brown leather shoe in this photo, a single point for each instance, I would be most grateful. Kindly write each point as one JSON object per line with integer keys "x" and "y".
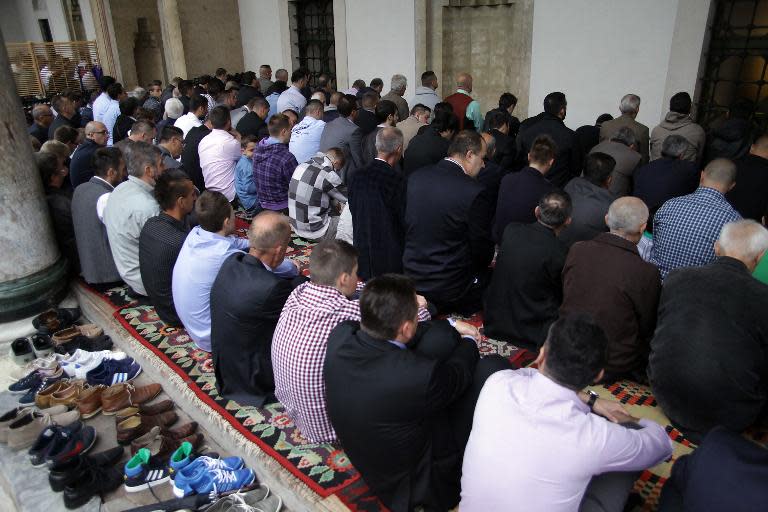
{"x": 69, "y": 394}
{"x": 137, "y": 426}
{"x": 89, "y": 403}
{"x": 90, "y": 330}
{"x": 43, "y": 398}
{"x": 163, "y": 446}
{"x": 120, "y": 396}
{"x": 63, "y": 336}
{"x": 144, "y": 409}
{"x": 181, "y": 432}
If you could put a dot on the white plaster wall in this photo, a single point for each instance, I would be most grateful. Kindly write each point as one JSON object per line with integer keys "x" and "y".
{"x": 23, "y": 26}
{"x": 13, "y": 31}
{"x": 90, "y": 28}
{"x": 595, "y": 51}
{"x": 265, "y": 34}
{"x": 58, "y": 21}
{"x": 381, "y": 41}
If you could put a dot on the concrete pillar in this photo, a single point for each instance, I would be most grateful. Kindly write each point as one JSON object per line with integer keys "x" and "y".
{"x": 173, "y": 45}
{"x": 100, "y": 14}
{"x": 32, "y": 272}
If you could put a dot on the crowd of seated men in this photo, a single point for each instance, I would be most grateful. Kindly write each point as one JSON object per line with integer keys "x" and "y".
{"x": 612, "y": 251}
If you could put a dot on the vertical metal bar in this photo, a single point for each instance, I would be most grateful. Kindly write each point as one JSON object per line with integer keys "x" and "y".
{"x": 37, "y": 70}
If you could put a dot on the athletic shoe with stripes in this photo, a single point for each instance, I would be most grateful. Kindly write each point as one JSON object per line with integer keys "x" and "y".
{"x": 114, "y": 371}
{"x": 144, "y": 471}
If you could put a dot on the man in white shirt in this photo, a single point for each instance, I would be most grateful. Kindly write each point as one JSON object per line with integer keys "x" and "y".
{"x": 198, "y": 111}
{"x": 305, "y": 136}
{"x": 219, "y": 152}
{"x": 565, "y": 458}
{"x": 292, "y": 98}
{"x": 112, "y": 110}
{"x": 101, "y": 102}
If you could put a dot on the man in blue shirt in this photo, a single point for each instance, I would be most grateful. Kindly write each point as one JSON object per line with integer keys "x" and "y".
{"x": 245, "y": 185}
{"x": 685, "y": 228}
{"x": 201, "y": 257}
{"x": 305, "y": 135}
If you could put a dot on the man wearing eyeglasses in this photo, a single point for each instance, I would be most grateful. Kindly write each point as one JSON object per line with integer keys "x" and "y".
{"x": 42, "y": 118}
{"x": 81, "y": 167}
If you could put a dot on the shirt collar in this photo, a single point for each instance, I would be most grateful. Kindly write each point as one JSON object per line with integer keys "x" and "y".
{"x": 457, "y": 163}
{"x": 105, "y": 181}
{"x": 398, "y": 344}
{"x": 462, "y": 91}
{"x": 143, "y": 184}
{"x": 545, "y": 386}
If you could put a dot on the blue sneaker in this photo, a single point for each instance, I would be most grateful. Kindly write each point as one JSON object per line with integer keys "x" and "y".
{"x": 23, "y": 385}
{"x": 113, "y": 371}
{"x": 185, "y": 455}
{"x": 185, "y": 474}
{"x": 143, "y": 472}
{"x": 44, "y": 382}
{"x": 217, "y": 481}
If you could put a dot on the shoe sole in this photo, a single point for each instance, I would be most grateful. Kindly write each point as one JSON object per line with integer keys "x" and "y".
{"x": 90, "y": 414}
{"x": 146, "y": 486}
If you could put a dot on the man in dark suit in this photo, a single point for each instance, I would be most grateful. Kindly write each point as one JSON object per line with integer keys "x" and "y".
{"x": 588, "y": 135}
{"x": 750, "y": 194}
{"x": 344, "y": 134}
{"x": 699, "y": 481}
{"x": 377, "y": 202}
{"x": 96, "y": 261}
{"x": 386, "y": 115}
{"x": 448, "y": 244}
{"x": 431, "y": 144}
{"x": 190, "y": 157}
{"x": 519, "y": 192}
{"x": 42, "y": 117}
{"x": 497, "y": 124}
{"x": 253, "y": 123}
{"x": 527, "y": 287}
{"x": 714, "y": 370}
{"x": 66, "y": 113}
{"x": 246, "y": 301}
{"x": 81, "y": 167}
{"x": 590, "y": 198}
{"x": 569, "y": 155}
{"x": 366, "y": 116}
{"x": 667, "y": 177}
{"x": 249, "y": 89}
{"x": 401, "y": 397}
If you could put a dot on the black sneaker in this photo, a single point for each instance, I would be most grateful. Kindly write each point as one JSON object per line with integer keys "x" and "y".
{"x": 96, "y": 344}
{"x": 55, "y": 320}
{"x": 43, "y": 444}
{"x": 21, "y": 351}
{"x": 41, "y": 345}
{"x": 71, "y": 444}
{"x": 97, "y": 481}
{"x": 66, "y": 473}
{"x": 143, "y": 471}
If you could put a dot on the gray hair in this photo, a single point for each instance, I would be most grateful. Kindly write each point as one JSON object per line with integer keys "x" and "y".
{"x": 174, "y": 108}
{"x": 388, "y": 140}
{"x": 138, "y": 93}
{"x": 140, "y": 156}
{"x": 674, "y": 146}
{"x": 398, "y": 83}
{"x": 626, "y": 136}
{"x": 743, "y": 240}
{"x": 721, "y": 171}
{"x": 39, "y": 111}
{"x": 268, "y": 230}
{"x": 627, "y": 215}
{"x": 630, "y": 104}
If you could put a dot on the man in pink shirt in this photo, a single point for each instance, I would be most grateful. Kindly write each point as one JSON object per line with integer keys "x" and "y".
{"x": 572, "y": 451}
{"x": 219, "y": 152}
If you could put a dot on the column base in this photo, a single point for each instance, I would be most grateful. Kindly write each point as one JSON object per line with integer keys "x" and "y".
{"x": 32, "y": 294}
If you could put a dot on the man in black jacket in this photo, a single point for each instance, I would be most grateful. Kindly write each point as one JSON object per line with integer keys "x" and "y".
{"x": 750, "y": 194}
{"x": 497, "y": 124}
{"x": 377, "y": 202}
{"x": 249, "y": 89}
{"x": 431, "y": 144}
{"x": 366, "y": 115}
{"x": 190, "y": 157}
{"x": 401, "y": 397}
{"x": 550, "y": 122}
{"x": 448, "y": 243}
{"x": 714, "y": 370}
{"x": 526, "y": 289}
{"x": 246, "y": 301}
{"x": 590, "y": 198}
{"x": 253, "y": 122}
{"x": 81, "y": 167}
{"x": 386, "y": 115}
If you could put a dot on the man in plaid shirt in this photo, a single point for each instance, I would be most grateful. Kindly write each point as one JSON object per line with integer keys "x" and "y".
{"x": 685, "y": 228}
{"x": 298, "y": 346}
{"x": 273, "y": 165}
{"x": 313, "y": 186}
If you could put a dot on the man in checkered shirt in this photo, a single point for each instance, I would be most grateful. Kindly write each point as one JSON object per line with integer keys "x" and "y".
{"x": 298, "y": 346}
{"x": 313, "y": 187}
{"x": 685, "y": 228}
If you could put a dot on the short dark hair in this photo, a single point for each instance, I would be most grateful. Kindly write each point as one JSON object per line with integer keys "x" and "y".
{"x": 466, "y": 140}
{"x": 114, "y": 90}
{"x": 445, "y": 121}
{"x": 298, "y": 74}
{"x": 215, "y": 87}
{"x": 554, "y": 208}
{"x": 427, "y": 77}
{"x": 169, "y": 132}
{"x": 249, "y": 77}
{"x": 420, "y": 109}
{"x": 554, "y": 102}
{"x": 105, "y": 159}
{"x": 184, "y": 86}
{"x": 543, "y": 149}
{"x": 212, "y": 209}
{"x": 603, "y": 118}
{"x": 384, "y": 109}
{"x": 347, "y": 105}
{"x": 247, "y": 139}
{"x": 169, "y": 187}
{"x": 358, "y": 84}
{"x": 597, "y": 167}
{"x": 105, "y": 82}
{"x": 257, "y": 101}
{"x": 680, "y": 103}
{"x": 219, "y": 117}
{"x": 377, "y": 82}
{"x": 496, "y": 119}
{"x": 576, "y": 347}
{"x": 278, "y": 123}
{"x": 66, "y": 134}
{"x": 128, "y": 106}
{"x": 506, "y": 100}
{"x": 142, "y": 127}
{"x": 220, "y": 71}
{"x": 442, "y": 106}
{"x": 197, "y": 101}
{"x": 47, "y": 165}
{"x": 330, "y": 259}
{"x": 385, "y": 303}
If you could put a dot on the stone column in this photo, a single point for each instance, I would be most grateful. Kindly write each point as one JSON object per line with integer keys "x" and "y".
{"x": 32, "y": 272}
{"x": 173, "y": 45}
{"x": 105, "y": 38}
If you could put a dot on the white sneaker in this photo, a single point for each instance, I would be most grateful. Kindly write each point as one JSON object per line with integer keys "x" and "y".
{"x": 83, "y": 361}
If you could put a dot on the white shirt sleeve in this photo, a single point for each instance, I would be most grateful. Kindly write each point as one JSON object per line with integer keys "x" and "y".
{"x": 101, "y": 204}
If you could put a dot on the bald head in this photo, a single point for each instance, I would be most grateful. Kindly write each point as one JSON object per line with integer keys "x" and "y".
{"x": 389, "y": 141}
{"x": 42, "y": 115}
{"x": 490, "y": 144}
{"x": 719, "y": 174}
{"x": 97, "y": 132}
{"x": 627, "y": 217}
{"x": 760, "y": 147}
{"x": 745, "y": 240}
{"x": 269, "y": 231}
{"x": 464, "y": 81}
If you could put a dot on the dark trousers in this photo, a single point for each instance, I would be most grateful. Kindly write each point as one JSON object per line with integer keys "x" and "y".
{"x": 469, "y": 302}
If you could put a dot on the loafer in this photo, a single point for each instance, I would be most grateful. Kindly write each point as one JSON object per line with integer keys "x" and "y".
{"x": 90, "y": 330}
{"x": 136, "y": 426}
{"x": 23, "y": 432}
{"x": 96, "y": 344}
{"x": 89, "y": 401}
{"x": 47, "y": 321}
{"x": 21, "y": 351}
{"x": 68, "y": 394}
{"x": 97, "y": 481}
{"x": 65, "y": 335}
{"x": 120, "y": 396}
{"x": 144, "y": 409}
{"x": 43, "y": 397}
{"x": 66, "y": 473}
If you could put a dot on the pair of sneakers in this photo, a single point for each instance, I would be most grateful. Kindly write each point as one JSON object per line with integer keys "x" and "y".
{"x": 205, "y": 474}
{"x": 113, "y": 371}
{"x": 58, "y": 444}
{"x": 81, "y": 361}
{"x": 24, "y": 350}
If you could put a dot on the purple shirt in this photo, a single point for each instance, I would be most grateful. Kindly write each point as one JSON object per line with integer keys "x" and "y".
{"x": 273, "y": 166}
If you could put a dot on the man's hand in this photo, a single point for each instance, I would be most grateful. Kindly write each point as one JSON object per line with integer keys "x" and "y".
{"x": 466, "y": 329}
{"x": 612, "y": 411}
{"x": 421, "y": 301}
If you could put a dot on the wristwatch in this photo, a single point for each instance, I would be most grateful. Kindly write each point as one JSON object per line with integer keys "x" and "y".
{"x": 592, "y": 399}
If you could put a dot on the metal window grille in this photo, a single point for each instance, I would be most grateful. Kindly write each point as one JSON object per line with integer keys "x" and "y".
{"x": 43, "y": 69}
{"x": 313, "y": 24}
{"x": 736, "y": 72}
